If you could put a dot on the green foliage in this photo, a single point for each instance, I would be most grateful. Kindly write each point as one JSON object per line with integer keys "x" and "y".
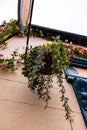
{"x": 14, "y": 54}
{"x": 41, "y": 64}
{"x": 9, "y": 30}
{"x": 2, "y": 37}
{"x": 12, "y": 28}
{"x": 36, "y": 32}
{"x": 9, "y": 63}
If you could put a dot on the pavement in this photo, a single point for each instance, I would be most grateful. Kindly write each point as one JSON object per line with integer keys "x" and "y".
{"x": 20, "y": 109}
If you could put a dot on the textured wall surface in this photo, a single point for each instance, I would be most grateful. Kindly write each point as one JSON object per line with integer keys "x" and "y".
{"x": 22, "y": 110}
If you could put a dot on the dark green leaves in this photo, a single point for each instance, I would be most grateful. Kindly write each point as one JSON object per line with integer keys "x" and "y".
{"x": 43, "y": 62}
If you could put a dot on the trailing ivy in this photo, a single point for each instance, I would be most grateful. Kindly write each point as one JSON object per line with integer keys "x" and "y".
{"x": 41, "y": 64}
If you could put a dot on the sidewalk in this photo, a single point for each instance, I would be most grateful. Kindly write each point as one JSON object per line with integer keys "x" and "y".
{"x": 22, "y": 110}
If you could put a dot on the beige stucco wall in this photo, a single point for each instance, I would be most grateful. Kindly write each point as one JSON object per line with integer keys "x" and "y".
{"x": 22, "y": 110}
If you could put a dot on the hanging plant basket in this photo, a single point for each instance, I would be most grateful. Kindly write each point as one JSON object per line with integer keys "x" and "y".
{"x": 41, "y": 64}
